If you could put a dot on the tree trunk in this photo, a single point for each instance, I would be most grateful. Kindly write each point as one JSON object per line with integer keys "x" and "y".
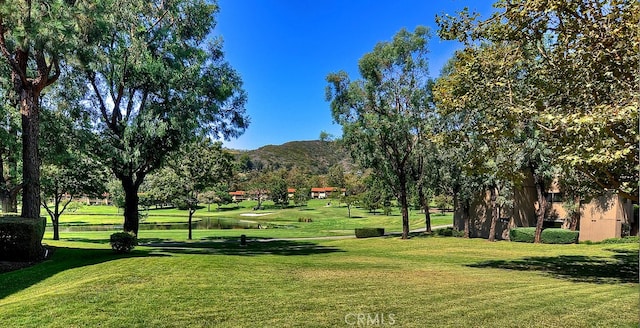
{"x": 190, "y": 227}
{"x": 56, "y": 227}
{"x": 425, "y": 207}
{"x": 131, "y": 200}
{"x": 542, "y": 206}
{"x": 404, "y": 205}
{"x": 466, "y": 216}
{"x": 575, "y": 216}
{"x": 349, "y": 209}
{"x": 29, "y": 102}
{"x": 494, "y": 212}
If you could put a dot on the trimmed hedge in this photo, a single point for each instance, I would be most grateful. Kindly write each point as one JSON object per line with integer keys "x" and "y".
{"x": 369, "y": 232}
{"x": 523, "y": 234}
{"x": 21, "y": 239}
{"x": 548, "y": 236}
{"x": 123, "y": 242}
{"x": 559, "y": 236}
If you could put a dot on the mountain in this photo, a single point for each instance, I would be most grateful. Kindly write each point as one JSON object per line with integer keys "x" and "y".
{"x": 314, "y": 155}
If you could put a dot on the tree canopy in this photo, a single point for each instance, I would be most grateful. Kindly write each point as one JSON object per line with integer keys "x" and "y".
{"x": 381, "y": 113}
{"x": 156, "y": 78}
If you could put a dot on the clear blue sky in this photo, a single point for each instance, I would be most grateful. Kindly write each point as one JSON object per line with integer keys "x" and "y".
{"x": 284, "y": 49}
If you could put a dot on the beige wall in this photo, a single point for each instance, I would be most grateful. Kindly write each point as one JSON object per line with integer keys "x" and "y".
{"x": 604, "y": 217}
{"x": 522, "y": 215}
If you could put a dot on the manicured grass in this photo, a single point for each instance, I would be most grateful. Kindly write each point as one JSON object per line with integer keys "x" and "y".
{"x": 326, "y": 220}
{"x": 421, "y": 282}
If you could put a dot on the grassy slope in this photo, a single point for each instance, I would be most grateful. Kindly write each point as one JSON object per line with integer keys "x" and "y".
{"x": 423, "y": 282}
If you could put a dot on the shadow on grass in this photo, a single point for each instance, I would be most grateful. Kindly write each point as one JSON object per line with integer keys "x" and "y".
{"x": 63, "y": 259}
{"x": 253, "y": 247}
{"x": 622, "y": 267}
{"x": 106, "y": 240}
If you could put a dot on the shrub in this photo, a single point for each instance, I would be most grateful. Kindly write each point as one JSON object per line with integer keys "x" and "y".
{"x": 623, "y": 240}
{"x": 21, "y": 239}
{"x": 369, "y": 232}
{"x": 523, "y": 235}
{"x": 123, "y": 242}
{"x": 559, "y": 236}
{"x": 305, "y": 220}
{"x": 449, "y": 232}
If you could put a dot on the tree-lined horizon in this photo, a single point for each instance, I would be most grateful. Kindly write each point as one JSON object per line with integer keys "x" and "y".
{"x": 545, "y": 90}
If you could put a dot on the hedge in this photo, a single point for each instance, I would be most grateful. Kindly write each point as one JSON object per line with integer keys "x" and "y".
{"x": 559, "y": 236}
{"x": 548, "y": 236}
{"x": 369, "y": 232}
{"x": 523, "y": 235}
{"x": 21, "y": 238}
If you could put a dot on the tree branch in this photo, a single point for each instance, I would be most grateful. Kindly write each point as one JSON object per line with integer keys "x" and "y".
{"x": 103, "y": 108}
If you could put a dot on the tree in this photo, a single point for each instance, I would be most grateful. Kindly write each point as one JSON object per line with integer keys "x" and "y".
{"x": 326, "y": 136}
{"x": 156, "y": 83}
{"x": 353, "y": 187}
{"x": 380, "y": 113}
{"x": 218, "y": 195}
{"x": 67, "y": 170}
{"x": 336, "y": 176}
{"x": 197, "y": 166}
{"x": 476, "y": 119}
{"x": 584, "y": 55}
{"x": 64, "y": 181}
{"x": 34, "y": 39}
{"x": 278, "y": 189}
{"x": 298, "y": 179}
{"x": 257, "y": 187}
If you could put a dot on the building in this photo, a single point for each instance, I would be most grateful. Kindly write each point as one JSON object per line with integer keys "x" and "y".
{"x": 606, "y": 216}
{"x": 238, "y": 196}
{"x": 291, "y": 192}
{"x": 325, "y": 192}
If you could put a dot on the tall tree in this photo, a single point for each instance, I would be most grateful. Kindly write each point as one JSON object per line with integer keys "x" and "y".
{"x": 474, "y": 97}
{"x": 584, "y": 55}
{"x": 380, "y": 113}
{"x": 156, "y": 83}
{"x": 35, "y": 36}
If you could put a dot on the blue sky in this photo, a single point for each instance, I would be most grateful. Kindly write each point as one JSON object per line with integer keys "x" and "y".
{"x": 284, "y": 49}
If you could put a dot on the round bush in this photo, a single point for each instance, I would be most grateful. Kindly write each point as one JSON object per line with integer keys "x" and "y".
{"x": 123, "y": 242}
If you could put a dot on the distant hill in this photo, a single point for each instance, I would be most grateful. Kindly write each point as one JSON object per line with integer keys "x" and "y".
{"x": 315, "y": 156}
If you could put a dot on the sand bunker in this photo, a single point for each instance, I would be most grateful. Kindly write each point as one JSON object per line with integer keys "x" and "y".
{"x": 255, "y": 214}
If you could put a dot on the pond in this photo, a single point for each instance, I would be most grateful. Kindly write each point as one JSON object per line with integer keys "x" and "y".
{"x": 200, "y": 224}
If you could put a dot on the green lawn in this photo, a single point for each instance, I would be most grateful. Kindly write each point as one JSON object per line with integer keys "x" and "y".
{"x": 326, "y": 220}
{"x": 421, "y": 282}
